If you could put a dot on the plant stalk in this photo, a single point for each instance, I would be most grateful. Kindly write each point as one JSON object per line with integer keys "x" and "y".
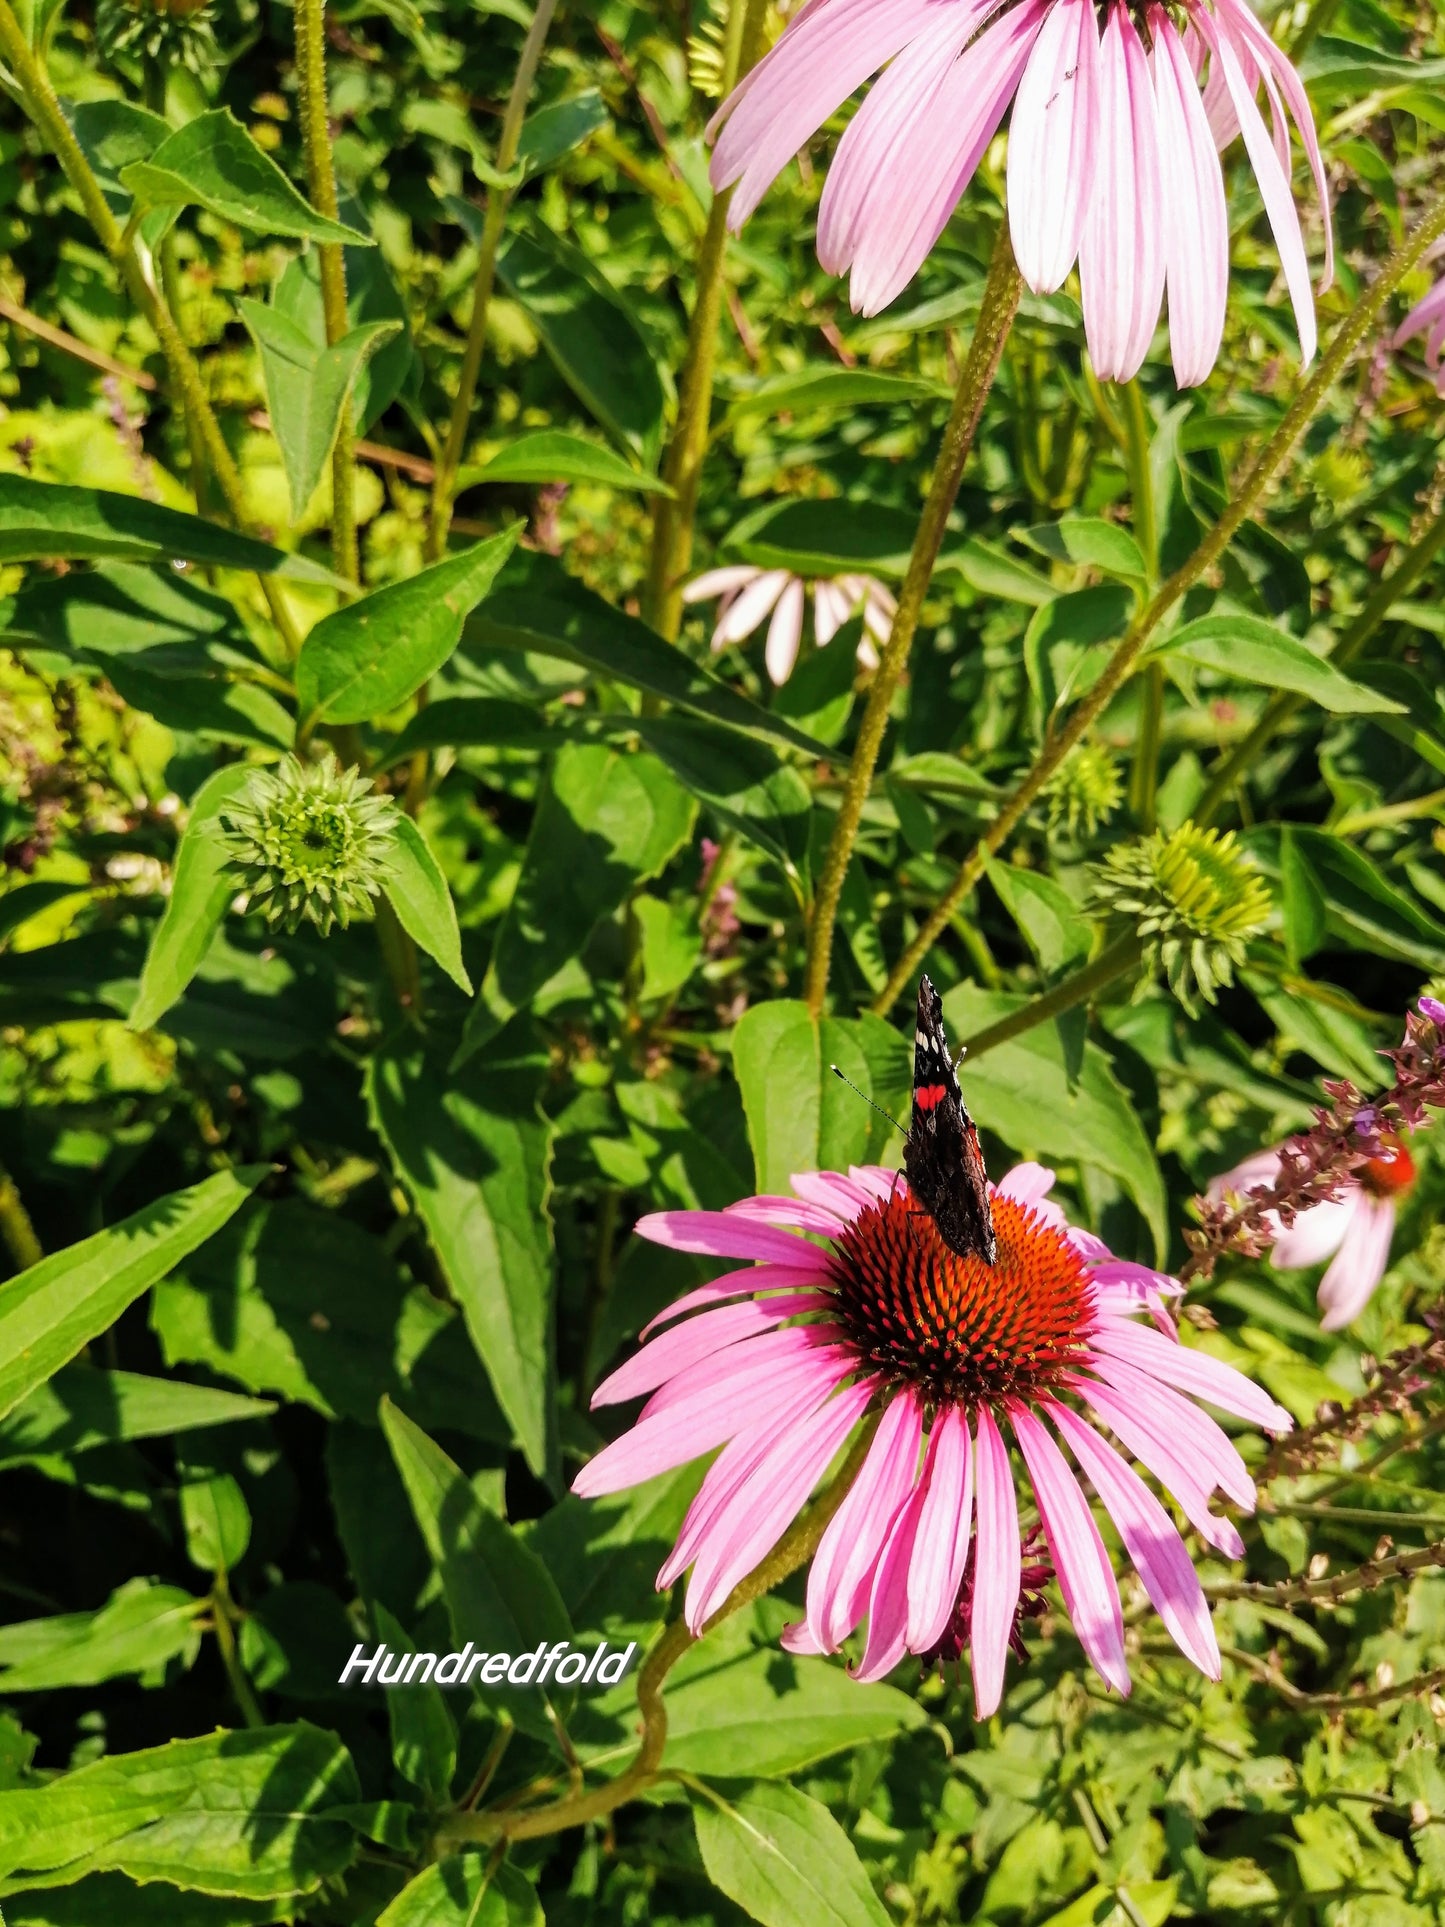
{"x": 15, "y": 1226}
{"x": 321, "y": 181}
{"x": 1357, "y": 325}
{"x": 499, "y": 202}
{"x": 1113, "y": 962}
{"x": 996, "y": 313}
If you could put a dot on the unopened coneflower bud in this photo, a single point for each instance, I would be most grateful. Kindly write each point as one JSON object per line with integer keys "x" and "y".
{"x": 167, "y": 33}
{"x": 1085, "y": 791}
{"x": 309, "y": 841}
{"x": 1194, "y": 900}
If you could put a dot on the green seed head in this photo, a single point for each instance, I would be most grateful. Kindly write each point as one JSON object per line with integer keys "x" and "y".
{"x": 1086, "y": 791}
{"x": 1194, "y": 899}
{"x": 309, "y": 841}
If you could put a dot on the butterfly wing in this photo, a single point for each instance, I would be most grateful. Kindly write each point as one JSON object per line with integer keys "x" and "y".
{"x": 941, "y": 1155}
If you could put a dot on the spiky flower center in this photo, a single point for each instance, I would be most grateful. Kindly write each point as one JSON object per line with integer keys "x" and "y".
{"x": 957, "y": 1330}
{"x": 310, "y": 842}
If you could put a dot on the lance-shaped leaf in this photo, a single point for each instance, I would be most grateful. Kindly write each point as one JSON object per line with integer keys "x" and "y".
{"x": 417, "y": 891}
{"x": 212, "y": 162}
{"x": 307, "y": 387}
{"x": 606, "y": 822}
{"x": 202, "y": 886}
{"x": 551, "y": 456}
{"x": 139, "y": 1629}
{"x": 473, "y": 1149}
{"x": 46, "y": 521}
{"x": 81, "y": 1407}
{"x": 1256, "y": 652}
{"x": 366, "y": 658}
{"x": 785, "y": 1860}
{"x": 50, "y": 1311}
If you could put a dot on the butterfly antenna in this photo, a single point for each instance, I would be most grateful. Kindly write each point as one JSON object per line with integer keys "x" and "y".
{"x": 868, "y": 1100}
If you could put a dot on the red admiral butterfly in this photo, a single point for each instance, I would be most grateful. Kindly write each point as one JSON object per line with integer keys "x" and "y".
{"x": 941, "y": 1151}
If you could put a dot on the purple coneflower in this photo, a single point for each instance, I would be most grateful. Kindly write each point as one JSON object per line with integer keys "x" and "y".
{"x": 777, "y": 1363}
{"x": 1427, "y": 318}
{"x": 747, "y": 595}
{"x": 1354, "y": 1229}
{"x": 1113, "y": 150}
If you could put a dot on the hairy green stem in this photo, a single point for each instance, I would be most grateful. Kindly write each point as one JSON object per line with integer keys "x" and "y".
{"x": 793, "y": 1550}
{"x": 499, "y": 201}
{"x": 675, "y": 515}
{"x": 1144, "y": 779}
{"x": 1279, "y": 709}
{"x": 15, "y": 1226}
{"x": 1357, "y": 325}
{"x": 995, "y": 318}
{"x": 1113, "y": 962}
{"x": 321, "y": 180}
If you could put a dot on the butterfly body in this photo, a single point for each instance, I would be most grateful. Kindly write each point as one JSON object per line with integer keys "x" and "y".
{"x": 941, "y": 1154}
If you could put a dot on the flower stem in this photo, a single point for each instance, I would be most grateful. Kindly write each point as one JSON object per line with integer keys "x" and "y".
{"x": 793, "y": 1550}
{"x": 15, "y": 1226}
{"x": 1113, "y": 962}
{"x": 321, "y": 180}
{"x": 222, "y": 1619}
{"x": 499, "y": 201}
{"x": 1357, "y": 325}
{"x": 999, "y": 306}
{"x": 1144, "y": 780}
{"x": 675, "y": 515}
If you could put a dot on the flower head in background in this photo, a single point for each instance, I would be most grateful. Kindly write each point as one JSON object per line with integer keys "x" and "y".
{"x": 778, "y": 1361}
{"x": 1354, "y": 1229}
{"x": 1113, "y": 150}
{"x": 1427, "y": 318}
{"x": 309, "y": 841}
{"x": 747, "y": 595}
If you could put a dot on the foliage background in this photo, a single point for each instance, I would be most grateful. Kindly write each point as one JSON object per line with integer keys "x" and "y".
{"x": 434, "y": 1203}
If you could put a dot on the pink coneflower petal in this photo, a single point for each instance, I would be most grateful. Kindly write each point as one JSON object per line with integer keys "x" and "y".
{"x": 842, "y": 1570}
{"x": 794, "y": 1214}
{"x": 1196, "y": 250}
{"x": 1364, "y": 1257}
{"x": 785, "y": 632}
{"x": 1423, "y": 317}
{"x": 700, "y": 1338}
{"x": 723, "y": 1234}
{"x": 998, "y": 1565}
{"x": 1191, "y": 1371}
{"x": 1121, "y": 256}
{"x": 746, "y": 1361}
{"x": 719, "y": 582}
{"x": 1315, "y": 1233}
{"x": 747, "y": 610}
{"x": 1190, "y": 1479}
{"x": 737, "y": 1284}
{"x": 1158, "y": 1553}
{"x": 941, "y": 1546}
{"x": 1202, "y": 1448}
{"x": 830, "y": 612}
{"x": 1028, "y": 1184}
{"x": 832, "y": 1191}
{"x": 887, "y": 1639}
{"x": 1086, "y": 1579}
{"x": 1051, "y": 146}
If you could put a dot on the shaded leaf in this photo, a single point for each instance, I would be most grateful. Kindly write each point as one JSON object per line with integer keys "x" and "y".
{"x": 203, "y": 884}
{"x": 212, "y": 162}
{"x": 457, "y": 1893}
{"x": 551, "y": 456}
{"x": 785, "y": 1860}
{"x": 81, "y": 1407}
{"x": 140, "y": 1629}
{"x": 417, "y": 890}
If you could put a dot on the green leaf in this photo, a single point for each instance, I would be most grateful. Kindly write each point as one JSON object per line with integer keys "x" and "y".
{"x": 457, "y": 1893}
{"x": 302, "y": 1302}
{"x": 604, "y": 1554}
{"x": 212, "y": 162}
{"x": 371, "y": 296}
{"x": 800, "y": 1116}
{"x": 993, "y": 572}
{"x": 742, "y": 782}
{"x": 44, "y": 521}
{"x": 141, "y": 1628}
{"x": 124, "y": 608}
{"x": 1023, "y": 1090}
{"x": 1363, "y": 910}
{"x": 194, "y": 690}
{"x": 825, "y": 538}
{"x": 551, "y": 456}
{"x": 1052, "y": 924}
{"x": 203, "y": 885}
{"x": 785, "y": 1860}
{"x": 591, "y": 334}
{"x": 217, "y": 1521}
{"x": 366, "y": 658}
{"x": 498, "y": 1593}
{"x": 29, "y": 900}
{"x": 417, "y": 890}
{"x": 232, "y": 1813}
{"x": 423, "y": 1733}
{"x": 111, "y": 134}
{"x": 1088, "y": 543}
{"x": 118, "y": 1902}
{"x": 1065, "y": 643}
{"x": 550, "y": 132}
{"x": 81, "y": 1407}
{"x": 307, "y": 388}
{"x": 50, "y": 1311}
{"x": 473, "y": 1149}
{"x": 469, "y": 722}
{"x": 1256, "y": 652}
{"x": 606, "y": 822}
{"x": 818, "y": 389}
{"x": 536, "y": 606}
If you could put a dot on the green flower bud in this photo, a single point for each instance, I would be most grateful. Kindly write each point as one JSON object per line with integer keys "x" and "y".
{"x": 1194, "y": 899}
{"x": 168, "y": 32}
{"x": 308, "y": 841}
{"x": 1085, "y": 791}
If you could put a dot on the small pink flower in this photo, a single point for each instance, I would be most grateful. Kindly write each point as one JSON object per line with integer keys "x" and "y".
{"x": 1113, "y": 150}
{"x": 1354, "y": 1229}
{"x": 1427, "y": 318}
{"x": 749, "y": 594}
{"x": 777, "y": 1362}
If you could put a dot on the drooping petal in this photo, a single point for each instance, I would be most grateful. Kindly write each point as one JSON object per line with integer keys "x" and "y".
{"x": 1350, "y": 1282}
{"x": 998, "y": 1566}
{"x": 736, "y": 1284}
{"x": 833, "y": 1191}
{"x": 750, "y": 605}
{"x": 1196, "y": 244}
{"x": 1051, "y": 146}
{"x": 794, "y": 1214}
{"x": 1200, "y": 1446}
{"x": 1316, "y": 1233}
{"x": 701, "y": 1337}
{"x": 1190, "y": 1370}
{"x": 887, "y": 1639}
{"x": 1188, "y": 1481}
{"x": 1151, "y": 1540}
{"x": 830, "y": 612}
{"x": 1424, "y": 316}
{"x": 785, "y": 633}
{"x": 746, "y": 1360}
{"x": 1121, "y": 256}
{"x": 1086, "y": 1579}
{"x": 717, "y": 582}
{"x": 940, "y": 1549}
{"x": 842, "y": 1571}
